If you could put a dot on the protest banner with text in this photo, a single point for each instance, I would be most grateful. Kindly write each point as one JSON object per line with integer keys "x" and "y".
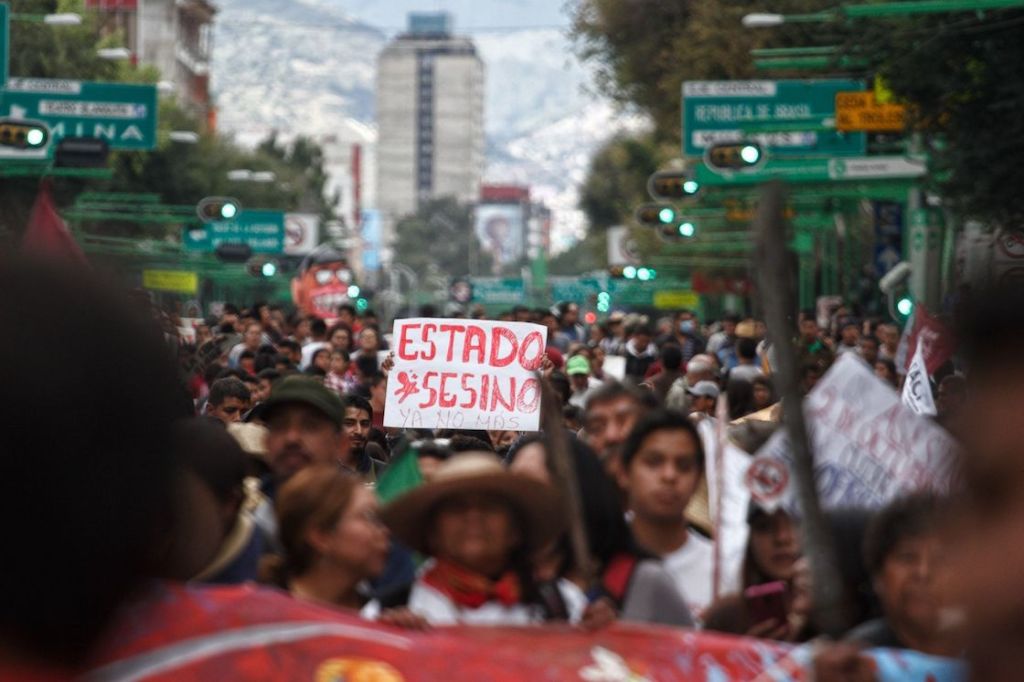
{"x": 869, "y": 448}
{"x": 465, "y": 374}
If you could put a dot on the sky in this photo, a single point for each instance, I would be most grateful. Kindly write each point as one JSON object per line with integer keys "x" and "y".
{"x": 470, "y": 15}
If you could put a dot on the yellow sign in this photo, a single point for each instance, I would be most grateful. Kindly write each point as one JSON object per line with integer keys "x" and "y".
{"x": 178, "y": 281}
{"x": 674, "y": 299}
{"x": 861, "y": 112}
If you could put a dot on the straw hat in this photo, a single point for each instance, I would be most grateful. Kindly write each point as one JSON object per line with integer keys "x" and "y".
{"x": 535, "y": 503}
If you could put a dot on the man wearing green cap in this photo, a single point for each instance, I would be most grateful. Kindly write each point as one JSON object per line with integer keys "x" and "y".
{"x": 578, "y": 369}
{"x": 304, "y": 427}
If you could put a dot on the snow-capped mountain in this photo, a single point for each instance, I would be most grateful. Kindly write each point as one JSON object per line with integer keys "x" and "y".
{"x": 303, "y": 66}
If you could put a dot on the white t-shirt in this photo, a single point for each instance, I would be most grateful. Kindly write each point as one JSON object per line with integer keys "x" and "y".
{"x": 692, "y": 568}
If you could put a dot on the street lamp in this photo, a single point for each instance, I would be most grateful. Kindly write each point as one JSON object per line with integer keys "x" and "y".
{"x": 114, "y": 53}
{"x": 184, "y": 136}
{"x": 763, "y": 20}
{"x": 240, "y": 175}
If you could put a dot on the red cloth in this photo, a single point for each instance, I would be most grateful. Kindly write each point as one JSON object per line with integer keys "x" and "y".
{"x": 47, "y": 235}
{"x": 472, "y": 590}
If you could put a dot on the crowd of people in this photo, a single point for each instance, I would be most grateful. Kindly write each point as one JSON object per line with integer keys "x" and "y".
{"x": 261, "y": 456}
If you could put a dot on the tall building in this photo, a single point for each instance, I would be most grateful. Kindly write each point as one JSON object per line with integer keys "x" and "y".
{"x": 430, "y": 118}
{"x": 175, "y": 36}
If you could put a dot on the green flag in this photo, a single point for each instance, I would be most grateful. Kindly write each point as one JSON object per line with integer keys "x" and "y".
{"x": 402, "y": 475}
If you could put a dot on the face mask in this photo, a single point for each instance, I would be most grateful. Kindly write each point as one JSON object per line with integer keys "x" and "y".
{"x": 687, "y": 326}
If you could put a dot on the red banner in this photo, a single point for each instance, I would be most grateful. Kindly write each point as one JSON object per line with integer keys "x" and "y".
{"x": 250, "y": 633}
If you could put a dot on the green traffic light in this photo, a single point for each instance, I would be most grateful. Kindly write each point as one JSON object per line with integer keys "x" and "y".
{"x": 228, "y": 211}
{"x": 666, "y": 215}
{"x": 687, "y": 229}
{"x": 269, "y": 269}
{"x": 905, "y": 306}
{"x": 353, "y": 291}
{"x": 629, "y": 272}
{"x": 35, "y": 137}
{"x": 362, "y": 304}
{"x": 644, "y": 274}
{"x": 751, "y": 154}
{"x": 691, "y": 186}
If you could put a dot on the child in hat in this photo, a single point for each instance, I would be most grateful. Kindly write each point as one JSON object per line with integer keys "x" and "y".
{"x": 479, "y": 524}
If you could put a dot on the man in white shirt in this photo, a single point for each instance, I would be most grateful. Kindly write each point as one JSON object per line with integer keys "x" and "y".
{"x": 662, "y": 466}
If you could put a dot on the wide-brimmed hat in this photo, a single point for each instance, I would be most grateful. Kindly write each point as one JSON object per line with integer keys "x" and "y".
{"x": 536, "y": 504}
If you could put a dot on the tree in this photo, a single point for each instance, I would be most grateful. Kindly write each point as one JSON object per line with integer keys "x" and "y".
{"x": 617, "y": 179}
{"x": 643, "y": 50}
{"x": 439, "y": 238}
{"x": 963, "y": 82}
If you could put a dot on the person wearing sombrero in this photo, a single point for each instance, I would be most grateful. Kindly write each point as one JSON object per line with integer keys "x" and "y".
{"x": 479, "y": 524}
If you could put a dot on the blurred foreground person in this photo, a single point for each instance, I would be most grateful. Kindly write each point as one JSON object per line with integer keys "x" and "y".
{"x": 987, "y": 566}
{"x": 89, "y": 476}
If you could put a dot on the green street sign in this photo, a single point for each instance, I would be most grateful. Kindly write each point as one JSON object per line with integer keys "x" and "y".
{"x": 838, "y": 169}
{"x": 724, "y": 111}
{"x": 498, "y": 291}
{"x": 124, "y": 115}
{"x": 262, "y": 230}
{"x": 5, "y": 42}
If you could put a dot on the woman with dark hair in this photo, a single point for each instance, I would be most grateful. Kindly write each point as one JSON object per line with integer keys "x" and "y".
{"x": 764, "y": 393}
{"x": 632, "y": 578}
{"x": 340, "y": 337}
{"x": 740, "y": 394}
{"x": 773, "y": 558}
{"x": 886, "y": 371}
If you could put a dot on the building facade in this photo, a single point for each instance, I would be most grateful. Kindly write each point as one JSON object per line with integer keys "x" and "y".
{"x": 175, "y": 36}
{"x": 430, "y": 118}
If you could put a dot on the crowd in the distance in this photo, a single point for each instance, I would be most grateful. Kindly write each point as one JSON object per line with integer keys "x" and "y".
{"x": 480, "y": 536}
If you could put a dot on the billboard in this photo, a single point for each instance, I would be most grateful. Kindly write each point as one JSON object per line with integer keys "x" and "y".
{"x": 500, "y": 228}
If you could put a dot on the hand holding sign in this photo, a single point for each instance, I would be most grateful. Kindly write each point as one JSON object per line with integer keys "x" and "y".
{"x": 465, "y": 374}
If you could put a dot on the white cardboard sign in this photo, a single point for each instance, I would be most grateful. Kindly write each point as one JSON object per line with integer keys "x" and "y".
{"x": 869, "y": 448}
{"x": 465, "y": 374}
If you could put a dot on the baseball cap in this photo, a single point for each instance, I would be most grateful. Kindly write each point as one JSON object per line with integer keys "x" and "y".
{"x": 577, "y": 365}
{"x": 305, "y": 391}
{"x": 705, "y": 389}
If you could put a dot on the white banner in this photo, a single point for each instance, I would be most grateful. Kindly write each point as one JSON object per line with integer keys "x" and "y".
{"x": 917, "y": 391}
{"x": 869, "y": 448}
{"x": 465, "y": 374}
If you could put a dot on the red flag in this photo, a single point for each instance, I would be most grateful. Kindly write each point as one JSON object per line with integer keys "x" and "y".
{"x": 937, "y": 342}
{"x": 47, "y": 235}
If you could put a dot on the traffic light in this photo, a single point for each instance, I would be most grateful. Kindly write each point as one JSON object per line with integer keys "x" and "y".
{"x": 262, "y": 267}
{"x": 218, "y": 208}
{"x": 26, "y": 135}
{"x": 905, "y": 306}
{"x": 671, "y": 186}
{"x": 653, "y": 215}
{"x": 362, "y": 304}
{"x": 353, "y": 291}
{"x": 687, "y": 229}
{"x": 734, "y": 156}
{"x": 646, "y": 274}
{"x": 604, "y": 302}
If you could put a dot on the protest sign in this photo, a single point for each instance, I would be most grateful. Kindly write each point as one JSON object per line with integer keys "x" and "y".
{"x": 465, "y": 374}
{"x": 934, "y": 339}
{"x": 917, "y": 390}
{"x": 725, "y": 466}
{"x": 869, "y": 447}
{"x": 250, "y": 633}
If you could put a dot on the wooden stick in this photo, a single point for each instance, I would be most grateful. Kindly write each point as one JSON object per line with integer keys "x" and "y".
{"x": 775, "y": 268}
{"x": 565, "y": 480}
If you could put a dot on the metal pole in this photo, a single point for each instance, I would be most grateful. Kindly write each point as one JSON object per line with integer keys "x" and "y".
{"x": 776, "y": 289}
